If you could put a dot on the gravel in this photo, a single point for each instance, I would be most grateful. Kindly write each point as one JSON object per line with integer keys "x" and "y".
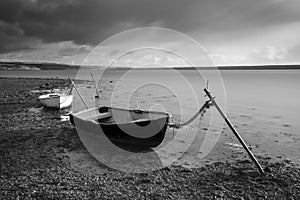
{"x": 34, "y": 165}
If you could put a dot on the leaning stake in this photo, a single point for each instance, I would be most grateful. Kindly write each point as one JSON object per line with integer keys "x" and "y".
{"x": 78, "y": 93}
{"x": 234, "y": 131}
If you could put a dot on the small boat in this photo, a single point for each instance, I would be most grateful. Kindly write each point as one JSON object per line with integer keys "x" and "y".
{"x": 56, "y": 100}
{"x": 145, "y": 129}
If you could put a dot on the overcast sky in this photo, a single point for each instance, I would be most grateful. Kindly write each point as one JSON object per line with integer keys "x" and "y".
{"x": 233, "y": 32}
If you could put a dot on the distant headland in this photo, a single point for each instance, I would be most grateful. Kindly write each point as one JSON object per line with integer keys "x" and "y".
{"x": 10, "y": 66}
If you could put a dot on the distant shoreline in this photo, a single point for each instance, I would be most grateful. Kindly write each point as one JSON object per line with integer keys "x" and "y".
{"x": 27, "y": 66}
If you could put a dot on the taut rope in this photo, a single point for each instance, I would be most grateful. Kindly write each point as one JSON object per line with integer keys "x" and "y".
{"x": 202, "y": 110}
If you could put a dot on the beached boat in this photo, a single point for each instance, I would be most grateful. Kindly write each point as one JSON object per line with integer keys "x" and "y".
{"x": 56, "y": 100}
{"x": 140, "y": 128}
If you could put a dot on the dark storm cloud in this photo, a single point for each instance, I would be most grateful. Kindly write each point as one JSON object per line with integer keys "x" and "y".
{"x": 26, "y": 23}
{"x": 82, "y": 21}
{"x": 12, "y": 38}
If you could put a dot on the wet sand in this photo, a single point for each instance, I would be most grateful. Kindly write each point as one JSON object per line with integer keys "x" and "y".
{"x": 43, "y": 157}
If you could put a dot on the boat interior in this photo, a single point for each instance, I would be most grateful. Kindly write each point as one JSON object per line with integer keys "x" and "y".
{"x": 107, "y": 115}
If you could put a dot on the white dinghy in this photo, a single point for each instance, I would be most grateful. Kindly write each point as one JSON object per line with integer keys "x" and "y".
{"x": 56, "y": 100}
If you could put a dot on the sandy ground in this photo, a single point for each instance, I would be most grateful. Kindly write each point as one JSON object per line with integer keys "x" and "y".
{"x": 43, "y": 157}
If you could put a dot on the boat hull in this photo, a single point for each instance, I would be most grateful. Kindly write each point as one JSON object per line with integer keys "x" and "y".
{"x": 56, "y": 101}
{"x": 122, "y": 135}
{"x": 124, "y": 128}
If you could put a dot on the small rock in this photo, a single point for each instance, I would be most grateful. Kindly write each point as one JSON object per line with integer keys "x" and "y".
{"x": 287, "y": 161}
{"x": 268, "y": 169}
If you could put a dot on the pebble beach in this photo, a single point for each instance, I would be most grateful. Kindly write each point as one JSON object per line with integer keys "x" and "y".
{"x": 37, "y": 151}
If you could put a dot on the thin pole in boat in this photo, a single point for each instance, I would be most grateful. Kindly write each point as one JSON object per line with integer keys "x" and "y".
{"x": 97, "y": 93}
{"x": 234, "y": 131}
{"x": 71, "y": 89}
{"x": 78, "y": 93}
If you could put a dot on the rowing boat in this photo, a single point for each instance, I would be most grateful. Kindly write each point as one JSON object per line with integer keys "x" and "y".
{"x": 56, "y": 100}
{"x": 141, "y": 128}
{"x": 137, "y": 127}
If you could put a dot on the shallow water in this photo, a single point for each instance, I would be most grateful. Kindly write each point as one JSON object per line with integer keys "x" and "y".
{"x": 263, "y": 105}
{"x": 269, "y": 94}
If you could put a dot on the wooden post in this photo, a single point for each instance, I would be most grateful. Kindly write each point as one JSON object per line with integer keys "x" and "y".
{"x": 78, "y": 93}
{"x": 234, "y": 131}
{"x": 97, "y": 93}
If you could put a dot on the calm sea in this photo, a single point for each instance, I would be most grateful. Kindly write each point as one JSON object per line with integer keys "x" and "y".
{"x": 265, "y": 105}
{"x": 273, "y": 92}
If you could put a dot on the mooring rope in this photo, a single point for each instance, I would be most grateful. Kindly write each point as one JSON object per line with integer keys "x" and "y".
{"x": 201, "y": 112}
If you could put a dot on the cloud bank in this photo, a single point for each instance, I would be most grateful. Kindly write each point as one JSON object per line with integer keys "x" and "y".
{"x": 234, "y": 31}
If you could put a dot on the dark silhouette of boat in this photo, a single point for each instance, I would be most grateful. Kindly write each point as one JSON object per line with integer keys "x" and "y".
{"x": 123, "y": 127}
